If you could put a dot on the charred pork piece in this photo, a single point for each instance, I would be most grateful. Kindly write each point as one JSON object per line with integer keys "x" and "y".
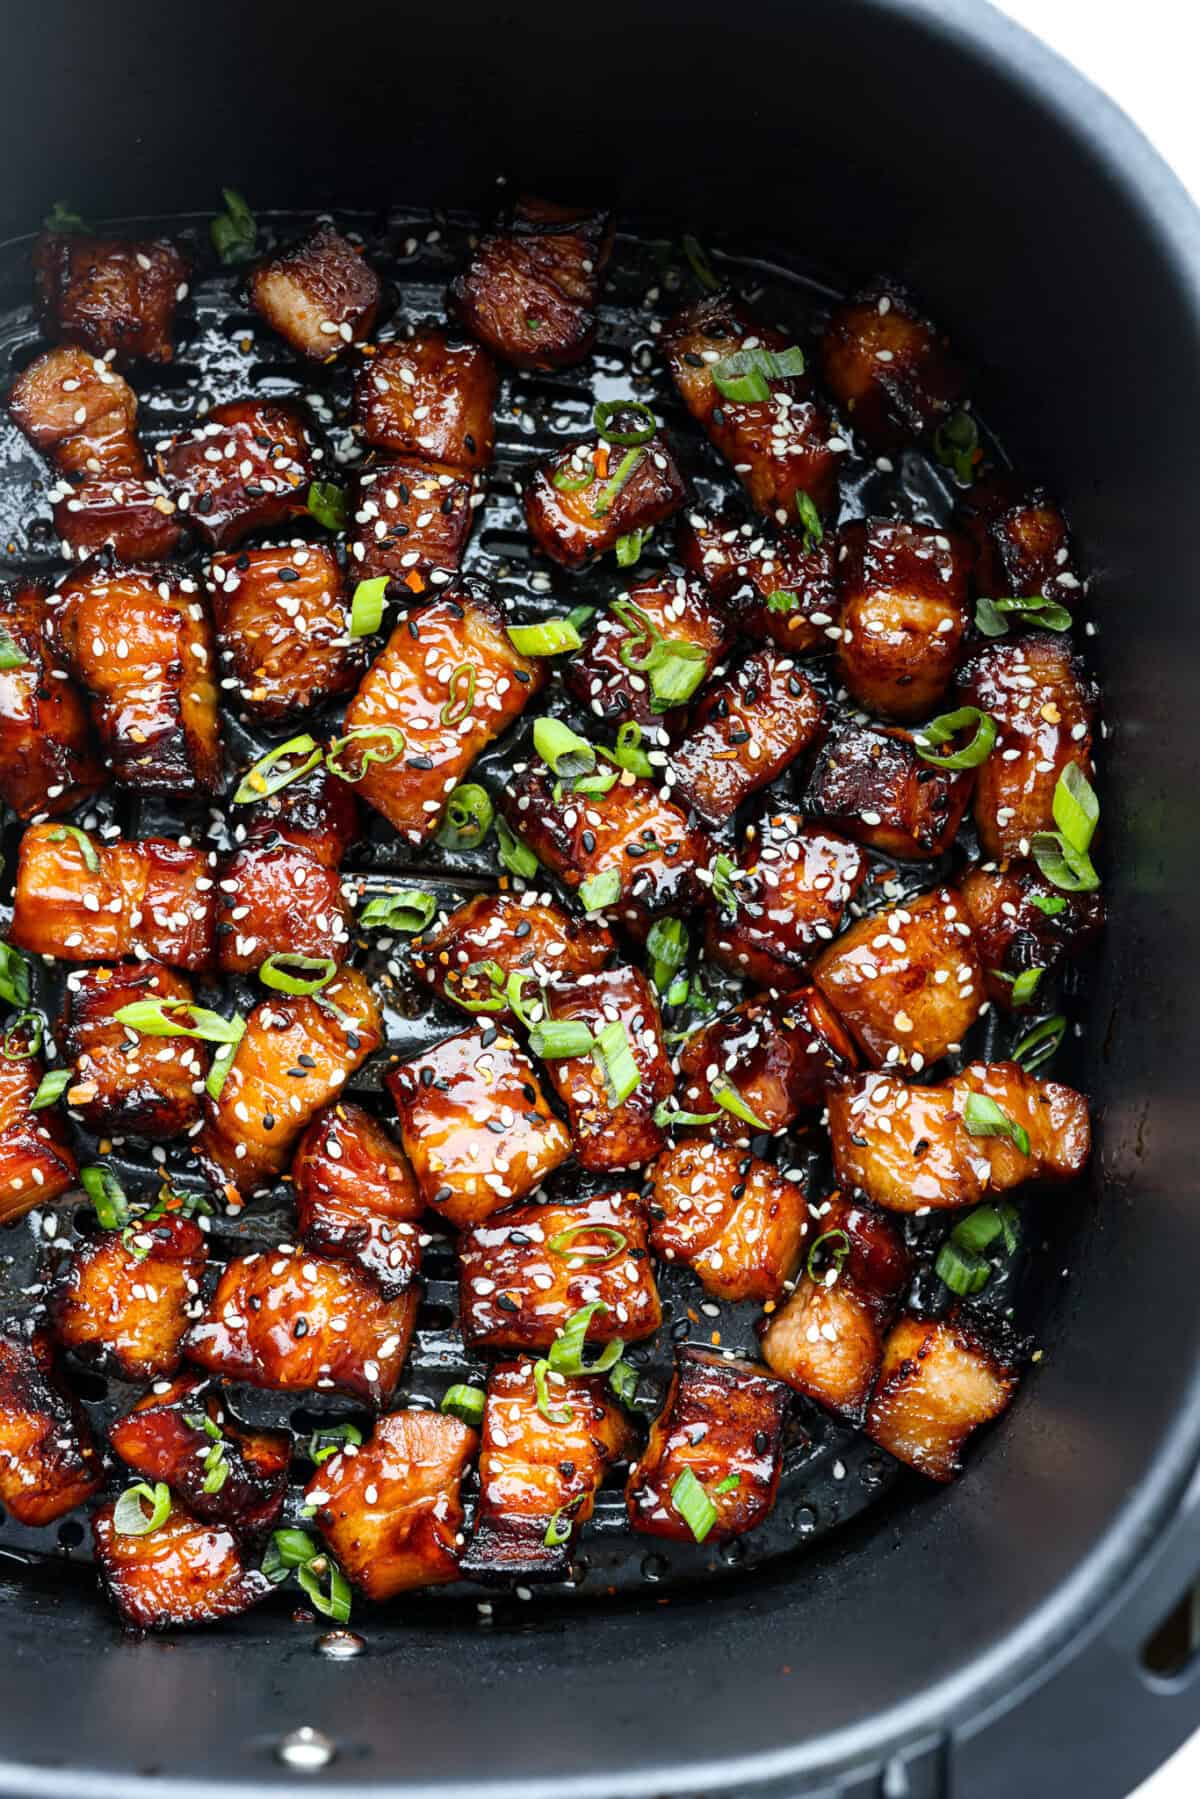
{"x": 529, "y": 290}
{"x": 904, "y": 590}
{"x": 295, "y": 1057}
{"x": 428, "y": 399}
{"x": 581, "y": 502}
{"x": 711, "y": 1468}
{"x": 181, "y": 1433}
{"x": 939, "y": 1382}
{"x": 522, "y": 1275}
{"x": 391, "y": 1513}
{"x": 247, "y": 468}
{"x": 631, "y": 832}
{"x": 915, "y": 1149}
{"x": 181, "y": 1574}
{"x": 907, "y": 982}
{"x": 85, "y": 901}
{"x": 523, "y": 934}
{"x": 539, "y": 1469}
{"x": 283, "y": 630}
{"x": 109, "y": 294}
{"x": 47, "y": 762}
{"x": 356, "y": 1199}
{"x": 1044, "y": 703}
{"x": 762, "y": 1065}
{"x": 36, "y": 1161}
{"x": 474, "y": 1124}
{"x": 409, "y": 523}
{"x": 779, "y": 587}
{"x": 629, "y": 664}
{"x": 608, "y": 1131}
{"x": 1023, "y": 924}
{"x": 122, "y": 1298}
{"x": 787, "y": 898}
{"x": 320, "y": 294}
{"x": 291, "y": 1321}
{"x": 48, "y": 1463}
{"x": 826, "y": 1340}
{"x": 447, "y": 682}
{"x": 734, "y": 1220}
{"x": 889, "y": 367}
{"x": 780, "y": 444}
{"x": 281, "y": 892}
{"x": 123, "y": 1082}
{"x": 139, "y": 643}
{"x": 872, "y": 784}
{"x": 745, "y": 732}
{"x": 1022, "y": 544}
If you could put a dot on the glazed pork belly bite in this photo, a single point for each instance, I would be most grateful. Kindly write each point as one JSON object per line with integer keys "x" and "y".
{"x": 529, "y": 291}
{"x": 778, "y": 585}
{"x": 282, "y": 618}
{"x": 247, "y": 467}
{"x": 888, "y": 367}
{"x": 593, "y": 494}
{"x": 903, "y": 617}
{"x": 320, "y": 294}
{"x": 48, "y": 1461}
{"x": 280, "y": 892}
{"x": 48, "y": 759}
{"x": 118, "y": 297}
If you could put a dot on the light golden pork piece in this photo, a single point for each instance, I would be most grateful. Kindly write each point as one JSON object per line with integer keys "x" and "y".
{"x": 735, "y": 1221}
{"x": 283, "y": 629}
{"x": 888, "y": 366}
{"x": 184, "y": 1573}
{"x": 37, "y": 1162}
{"x": 48, "y": 1462}
{"x": 903, "y": 617}
{"x": 356, "y": 1199}
{"x": 319, "y": 294}
{"x": 939, "y": 1382}
{"x": 124, "y": 1298}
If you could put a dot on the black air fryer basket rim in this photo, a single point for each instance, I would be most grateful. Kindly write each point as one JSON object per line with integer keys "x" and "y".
{"x": 1086, "y": 1633}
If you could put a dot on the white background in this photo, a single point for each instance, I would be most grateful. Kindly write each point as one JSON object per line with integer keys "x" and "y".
{"x": 1142, "y": 57}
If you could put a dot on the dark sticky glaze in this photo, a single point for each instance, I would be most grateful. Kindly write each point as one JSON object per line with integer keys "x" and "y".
{"x": 604, "y": 674}
{"x": 745, "y": 732}
{"x": 410, "y": 522}
{"x": 1014, "y": 934}
{"x": 430, "y": 399}
{"x": 890, "y": 369}
{"x": 281, "y": 890}
{"x": 113, "y": 295}
{"x": 246, "y": 468}
{"x": 356, "y": 1198}
{"x": 282, "y": 618}
{"x": 1021, "y": 542}
{"x": 778, "y": 1053}
{"x": 520, "y": 933}
{"x": 320, "y": 294}
{"x": 871, "y": 783}
{"x": 736, "y": 1221}
{"x": 36, "y": 1160}
{"x": 48, "y": 763}
{"x": 151, "y": 1086}
{"x": 529, "y": 291}
{"x": 790, "y": 890}
{"x": 904, "y": 592}
{"x": 48, "y": 1462}
{"x": 608, "y": 1136}
{"x": 777, "y": 585}
{"x": 124, "y": 1300}
{"x": 182, "y": 1574}
{"x": 586, "y": 497}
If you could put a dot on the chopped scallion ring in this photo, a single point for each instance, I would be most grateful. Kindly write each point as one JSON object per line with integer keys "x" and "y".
{"x": 234, "y": 232}
{"x": 641, "y": 431}
{"x": 614, "y": 1057}
{"x": 963, "y": 1271}
{"x": 550, "y": 638}
{"x": 623, "y": 1379}
{"x": 1062, "y": 865}
{"x": 87, "y": 848}
{"x": 983, "y": 1118}
{"x": 745, "y": 375}
{"x": 493, "y": 998}
{"x": 724, "y": 872}
{"x": 564, "y": 1244}
{"x": 782, "y": 599}
{"x": 408, "y": 909}
{"x": 23, "y": 1037}
{"x": 944, "y": 728}
{"x": 267, "y": 777}
{"x": 468, "y": 817}
{"x": 603, "y": 889}
{"x": 667, "y": 948}
{"x": 629, "y": 752}
{"x": 553, "y": 1414}
{"x": 956, "y": 444}
{"x": 327, "y": 504}
{"x": 516, "y": 856}
{"x": 612, "y": 488}
{"x": 693, "y": 1505}
{"x": 330, "y": 1439}
{"x": 366, "y": 608}
{"x": 50, "y": 1088}
{"x": 820, "y": 1268}
{"x": 130, "y": 1517}
{"x": 287, "y": 1550}
{"x": 222, "y": 1060}
{"x": 462, "y": 1401}
{"x": 561, "y": 749}
{"x": 555, "y": 1039}
{"x": 107, "y": 1196}
{"x": 559, "y": 1529}
{"x": 566, "y": 480}
{"x": 629, "y": 548}
{"x": 730, "y": 1100}
{"x": 166, "y": 1018}
{"x": 1049, "y": 903}
{"x": 1076, "y": 808}
{"x": 14, "y": 976}
{"x": 992, "y": 616}
{"x": 375, "y": 743}
{"x": 1040, "y": 1044}
{"x": 810, "y": 520}
{"x": 566, "y": 1352}
{"x": 667, "y": 1114}
{"x": 336, "y": 1602}
{"x": 312, "y": 973}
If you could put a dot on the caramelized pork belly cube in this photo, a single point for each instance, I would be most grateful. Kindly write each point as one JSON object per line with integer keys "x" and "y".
{"x": 888, "y": 366}
{"x": 1021, "y": 923}
{"x": 36, "y": 1161}
{"x": 474, "y": 1124}
{"x": 48, "y": 1463}
{"x": 907, "y": 982}
{"x": 537, "y": 1475}
{"x": 391, "y": 1513}
{"x": 79, "y": 412}
{"x": 522, "y": 1275}
{"x": 184, "y": 1573}
{"x": 910, "y": 1148}
{"x": 608, "y": 1136}
{"x": 320, "y": 294}
{"x": 126, "y": 1304}
{"x": 791, "y": 889}
{"x": 776, "y": 1054}
{"x": 139, "y": 643}
{"x": 671, "y": 610}
{"x": 779, "y": 588}
{"x": 356, "y": 1199}
{"x": 1044, "y": 704}
{"x": 529, "y": 290}
{"x": 575, "y": 509}
{"x": 872, "y": 784}
{"x": 939, "y": 1382}
{"x": 631, "y": 829}
{"x": 526, "y": 933}
{"x": 316, "y": 812}
{"x": 109, "y": 293}
{"x": 283, "y": 629}
{"x": 827, "y": 1339}
{"x": 181, "y": 1432}
{"x": 430, "y": 399}
{"x": 450, "y": 681}
{"x": 729, "y": 1217}
{"x": 291, "y": 1321}
{"x": 150, "y": 897}
{"x": 132, "y": 518}
{"x": 904, "y": 589}
{"x": 408, "y": 519}
{"x": 151, "y": 1086}
{"x": 47, "y": 763}
{"x": 722, "y": 1423}
{"x": 247, "y": 468}
{"x": 1022, "y": 543}
{"x": 280, "y": 892}
{"x": 745, "y": 732}
{"x": 779, "y": 448}
{"x": 295, "y": 1057}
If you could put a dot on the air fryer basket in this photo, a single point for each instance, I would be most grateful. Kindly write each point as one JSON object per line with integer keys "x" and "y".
{"x": 981, "y": 1640}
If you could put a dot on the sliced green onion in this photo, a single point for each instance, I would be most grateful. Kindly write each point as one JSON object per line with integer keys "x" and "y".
{"x": 643, "y": 633}
{"x": 149, "y": 1018}
{"x": 745, "y": 376}
{"x": 568, "y": 480}
{"x": 222, "y": 1060}
{"x": 730, "y": 1100}
{"x": 216, "y": 1468}
{"x": 603, "y": 889}
{"x": 559, "y": 1529}
{"x": 130, "y": 1517}
{"x": 62, "y": 217}
{"x": 629, "y": 753}
{"x": 514, "y": 994}
{"x": 330, "y": 1439}
{"x": 579, "y": 616}
{"x": 560, "y": 748}
{"x": 561, "y": 1244}
{"x": 481, "y": 971}
{"x": 553, "y": 1414}
{"x": 333, "y": 1604}
{"x": 468, "y": 819}
{"x": 550, "y": 638}
{"x": 87, "y": 848}
{"x": 983, "y": 1118}
{"x": 311, "y": 973}
{"x": 462, "y": 1401}
{"x": 730, "y": 1484}
{"x": 992, "y": 616}
{"x": 555, "y": 1039}
{"x": 980, "y": 1228}
{"x": 408, "y": 909}
{"x": 234, "y": 232}
{"x": 107, "y": 1196}
{"x": 963, "y": 1271}
{"x": 629, "y": 548}
{"x": 666, "y": 1114}
{"x": 642, "y": 430}
{"x": 327, "y": 504}
{"x": 693, "y": 1505}
{"x": 1049, "y": 903}
{"x": 836, "y": 1256}
{"x": 391, "y": 743}
{"x": 51, "y": 1087}
{"x": 593, "y": 784}
{"x": 516, "y": 856}
{"x": 612, "y": 488}
{"x": 11, "y": 1049}
{"x": 944, "y": 728}
{"x": 1026, "y": 985}
{"x": 265, "y": 778}
{"x": 724, "y": 890}
{"x": 288, "y": 1550}
{"x": 14, "y": 976}
{"x": 782, "y": 600}
{"x": 667, "y": 948}
{"x": 614, "y": 1057}
{"x": 566, "y": 1352}
{"x": 676, "y": 669}
{"x": 955, "y": 444}
{"x": 11, "y": 653}
{"x": 366, "y": 608}
{"x": 1040, "y": 1044}
{"x": 677, "y": 992}
{"x": 623, "y": 1379}
{"x": 810, "y": 520}
{"x": 1062, "y": 865}
{"x": 1076, "y": 808}
{"x": 701, "y": 267}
